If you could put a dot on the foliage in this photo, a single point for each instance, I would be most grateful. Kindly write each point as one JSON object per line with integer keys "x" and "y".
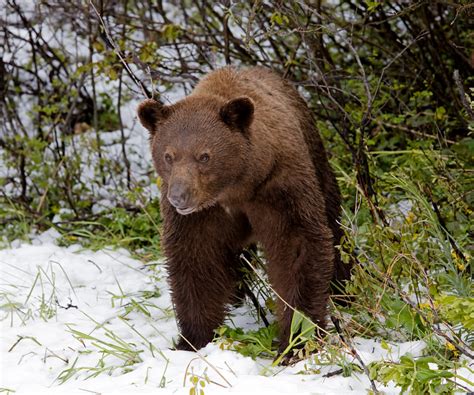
{"x": 137, "y": 230}
{"x": 420, "y": 376}
{"x": 251, "y": 343}
{"x": 302, "y": 330}
{"x": 457, "y": 310}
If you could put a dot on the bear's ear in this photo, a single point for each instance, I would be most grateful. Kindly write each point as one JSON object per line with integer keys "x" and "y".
{"x": 238, "y": 113}
{"x": 150, "y": 112}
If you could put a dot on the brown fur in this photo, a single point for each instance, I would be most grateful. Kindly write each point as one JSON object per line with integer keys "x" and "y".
{"x": 241, "y": 158}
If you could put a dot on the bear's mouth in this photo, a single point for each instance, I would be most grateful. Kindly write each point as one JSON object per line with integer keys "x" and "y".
{"x": 196, "y": 208}
{"x": 186, "y": 211}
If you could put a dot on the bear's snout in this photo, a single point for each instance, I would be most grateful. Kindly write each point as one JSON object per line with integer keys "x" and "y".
{"x": 180, "y": 196}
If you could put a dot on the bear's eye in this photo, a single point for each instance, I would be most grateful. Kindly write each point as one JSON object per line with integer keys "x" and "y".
{"x": 168, "y": 158}
{"x": 204, "y": 158}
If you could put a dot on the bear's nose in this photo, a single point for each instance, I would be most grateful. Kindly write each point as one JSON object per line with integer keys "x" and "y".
{"x": 178, "y": 196}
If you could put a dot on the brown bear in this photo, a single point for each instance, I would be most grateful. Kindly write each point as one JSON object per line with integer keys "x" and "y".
{"x": 241, "y": 162}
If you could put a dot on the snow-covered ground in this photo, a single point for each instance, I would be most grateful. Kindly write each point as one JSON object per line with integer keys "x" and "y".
{"x": 68, "y": 313}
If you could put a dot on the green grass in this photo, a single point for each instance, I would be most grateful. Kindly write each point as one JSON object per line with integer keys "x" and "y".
{"x": 114, "y": 353}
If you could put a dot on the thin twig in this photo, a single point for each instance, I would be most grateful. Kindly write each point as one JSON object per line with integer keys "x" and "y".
{"x": 462, "y": 94}
{"x": 354, "y": 352}
{"x": 205, "y": 360}
{"x": 244, "y": 258}
{"x": 455, "y": 341}
{"x": 111, "y": 42}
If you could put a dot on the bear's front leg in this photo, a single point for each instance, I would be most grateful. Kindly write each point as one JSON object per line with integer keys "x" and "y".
{"x": 300, "y": 270}
{"x": 300, "y": 253}
{"x": 201, "y": 251}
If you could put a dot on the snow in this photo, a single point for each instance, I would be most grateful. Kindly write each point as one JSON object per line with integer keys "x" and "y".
{"x": 48, "y": 291}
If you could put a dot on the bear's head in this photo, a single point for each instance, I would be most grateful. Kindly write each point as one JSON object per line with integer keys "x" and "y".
{"x": 200, "y": 148}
